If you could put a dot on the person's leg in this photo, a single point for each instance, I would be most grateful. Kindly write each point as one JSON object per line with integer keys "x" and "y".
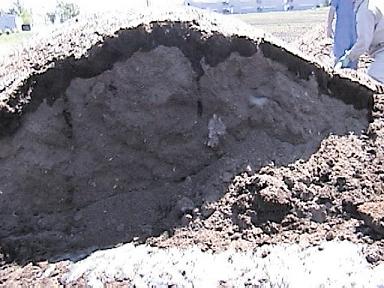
{"x": 337, "y": 53}
{"x": 352, "y": 65}
{"x": 376, "y": 69}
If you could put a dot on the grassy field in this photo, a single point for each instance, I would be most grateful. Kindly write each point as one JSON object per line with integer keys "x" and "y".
{"x": 287, "y": 25}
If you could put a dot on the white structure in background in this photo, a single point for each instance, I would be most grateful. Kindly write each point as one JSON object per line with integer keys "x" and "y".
{"x": 9, "y": 23}
{"x": 250, "y": 6}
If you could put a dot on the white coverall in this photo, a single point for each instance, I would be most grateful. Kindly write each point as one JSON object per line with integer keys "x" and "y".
{"x": 370, "y": 35}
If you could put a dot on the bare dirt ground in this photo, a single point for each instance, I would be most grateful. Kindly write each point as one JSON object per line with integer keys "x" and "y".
{"x": 289, "y": 26}
{"x": 302, "y": 29}
{"x": 176, "y": 130}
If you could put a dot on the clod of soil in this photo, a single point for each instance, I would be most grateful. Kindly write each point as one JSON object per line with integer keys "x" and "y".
{"x": 153, "y": 123}
{"x": 373, "y": 215}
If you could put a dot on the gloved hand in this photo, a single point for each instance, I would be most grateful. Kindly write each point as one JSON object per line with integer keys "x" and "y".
{"x": 343, "y": 62}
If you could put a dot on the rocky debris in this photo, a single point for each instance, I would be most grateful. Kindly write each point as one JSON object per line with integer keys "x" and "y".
{"x": 184, "y": 205}
{"x": 373, "y": 257}
{"x": 374, "y": 254}
{"x": 337, "y": 193}
{"x": 330, "y": 236}
{"x": 186, "y": 219}
{"x": 258, "y": 204}
{"x": 41, "y": 274}
{"x": 373, "y": 215}
{"x": 318, "y": 214}
{"x": 207, "y": 209}
{"x": 349, "y": 205}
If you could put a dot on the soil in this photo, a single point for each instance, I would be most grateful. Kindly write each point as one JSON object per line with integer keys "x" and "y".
{"x": 315, "y": 43}
{"x": 181, "y": 129}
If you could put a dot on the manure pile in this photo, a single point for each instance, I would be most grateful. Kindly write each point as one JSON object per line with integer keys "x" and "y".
{"x": 135, "y": 129}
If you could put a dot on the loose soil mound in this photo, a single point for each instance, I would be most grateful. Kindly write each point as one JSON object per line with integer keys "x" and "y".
{"x": 130, "y": 138}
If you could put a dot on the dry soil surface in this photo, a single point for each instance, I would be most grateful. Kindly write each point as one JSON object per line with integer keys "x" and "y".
{"x": 316, "y": 44}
